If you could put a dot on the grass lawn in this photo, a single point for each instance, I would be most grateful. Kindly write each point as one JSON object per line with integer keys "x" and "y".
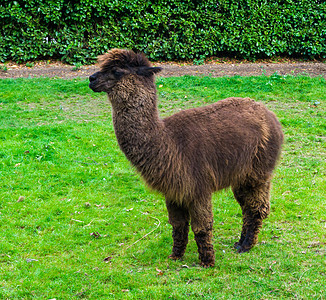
{"x": 77, "y": 222}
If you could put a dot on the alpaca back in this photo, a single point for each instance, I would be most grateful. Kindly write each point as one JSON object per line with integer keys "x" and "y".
{"x": 222, "y": 142}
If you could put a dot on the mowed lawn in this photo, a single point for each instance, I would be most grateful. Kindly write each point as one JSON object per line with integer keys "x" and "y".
{"x": 77, "y": 222}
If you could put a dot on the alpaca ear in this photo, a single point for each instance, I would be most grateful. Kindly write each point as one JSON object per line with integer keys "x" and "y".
{"x": 148, "y": 71}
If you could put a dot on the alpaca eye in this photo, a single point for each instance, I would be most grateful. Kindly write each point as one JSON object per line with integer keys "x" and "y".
{"x": 117, "y": 73}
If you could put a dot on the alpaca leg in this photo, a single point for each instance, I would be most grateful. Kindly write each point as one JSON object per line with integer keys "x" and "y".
{"x": 254, "y": 201}
{"x": 238, "y": 244}
{"x": 179, "y": 219}
{"x": 202, "y": 226}
{"x": 238, "y": 194}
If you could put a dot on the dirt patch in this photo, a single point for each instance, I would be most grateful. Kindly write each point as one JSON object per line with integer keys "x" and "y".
{"x": 214, "y": 69}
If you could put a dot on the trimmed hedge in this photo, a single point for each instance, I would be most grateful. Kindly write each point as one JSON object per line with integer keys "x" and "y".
{"x": 79, "y": 30}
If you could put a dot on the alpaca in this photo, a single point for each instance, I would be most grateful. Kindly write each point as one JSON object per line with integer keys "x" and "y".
{"x": 233, "y": 143}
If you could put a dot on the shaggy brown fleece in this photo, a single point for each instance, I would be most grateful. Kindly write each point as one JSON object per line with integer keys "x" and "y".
{"x": 232, "y": 143}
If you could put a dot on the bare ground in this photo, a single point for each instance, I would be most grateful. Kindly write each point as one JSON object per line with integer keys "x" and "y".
{"x": 214, "y": 69}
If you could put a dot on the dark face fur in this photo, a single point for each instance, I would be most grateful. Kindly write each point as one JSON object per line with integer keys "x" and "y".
{"x": 104, "y": 81}
{"x": 115, "y": 65}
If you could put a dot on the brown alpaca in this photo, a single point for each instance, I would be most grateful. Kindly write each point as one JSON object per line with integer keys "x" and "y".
{"x": 235, "y": 142}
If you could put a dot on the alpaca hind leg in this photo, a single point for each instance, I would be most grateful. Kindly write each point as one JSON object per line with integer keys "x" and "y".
{"x": 202, "y": 226}
{"x": 238, "y": 194}
{"x": 237, "y": 245}
{"x": 179, "y": 219}
{"x": 254, "y": 201}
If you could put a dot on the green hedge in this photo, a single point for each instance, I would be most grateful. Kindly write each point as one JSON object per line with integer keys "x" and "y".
{"x": 79, "y": 30}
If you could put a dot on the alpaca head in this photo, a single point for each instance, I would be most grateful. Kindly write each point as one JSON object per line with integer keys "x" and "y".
{"x": 115, "y": 65}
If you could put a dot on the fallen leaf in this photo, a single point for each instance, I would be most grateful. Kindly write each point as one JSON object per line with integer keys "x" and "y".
{"x": 159, "y": 272}
{"x": 99, "y": 206}
{"x": 270, "y": 267}
{"x": 107, "y": 259}
{"x": 95, "y": 235}
{"x": 21, "y": 199}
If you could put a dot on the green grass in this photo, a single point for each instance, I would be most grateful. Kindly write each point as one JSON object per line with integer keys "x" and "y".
{"x": 80, "y": 201}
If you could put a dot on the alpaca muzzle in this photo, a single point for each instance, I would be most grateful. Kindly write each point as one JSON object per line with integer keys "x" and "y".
{"x": 93, "y": 82}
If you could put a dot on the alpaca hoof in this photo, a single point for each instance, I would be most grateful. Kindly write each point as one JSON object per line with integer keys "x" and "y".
{"x": 207, "y": 264}
{"x": 237, "y": 245}
{"x": 208, "y": 261}
{"x": 175, "y": 257}
{"x": 243, "y": 249}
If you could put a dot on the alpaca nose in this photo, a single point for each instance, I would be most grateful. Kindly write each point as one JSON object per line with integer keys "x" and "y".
{"x": 92, "y": 77}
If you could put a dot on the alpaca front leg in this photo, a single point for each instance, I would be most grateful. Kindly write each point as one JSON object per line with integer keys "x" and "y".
{"x": 205, "y": 248}
{"x": 180, "y": 241}
{"x": 179, "y": 219}
{"x": 202, "y": 226}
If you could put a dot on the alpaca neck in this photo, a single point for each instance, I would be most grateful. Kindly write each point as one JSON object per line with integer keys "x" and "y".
{"x": 146, "y": 142}
{"x": 138, "y": 128}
